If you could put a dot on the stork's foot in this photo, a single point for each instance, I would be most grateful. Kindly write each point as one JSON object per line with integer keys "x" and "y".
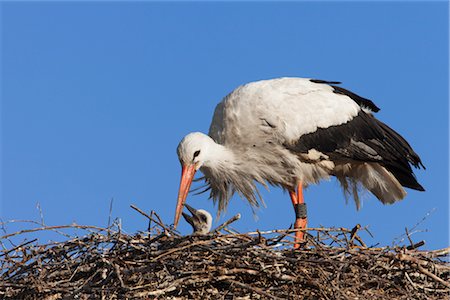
{"x": 300, "y": 235}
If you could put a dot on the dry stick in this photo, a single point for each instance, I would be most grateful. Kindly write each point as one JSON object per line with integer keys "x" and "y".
{"x": 416, "y": 245}
{"x": 431, "y": 211}
{"x": 17, "y": 247}
{"x": 38, "y": 206}
{"x": 18, "y": 221}
{"x": 431, "y": 275}
{"x": 253, "y": 272}
{"x": 354, "y": 236}
{"x": 410, "y": 281}
{"x": 353, "y": 233}
{"x": 148, "y": 216}
{"x": 409, "y": 237}
{"x": 400, "y": 238}
{"x": 173, "y": 250}
{"x": 251, "y": 288}
{"x": 85, "y": 227}
{"x": 31, "y": 222}
{"x": 149, "y": 227}
{"x": 321, "y": 229}
{"x": 233, "y": 219}
{"x": 174, "y": 284}
{"x": 229, "y": 231}
{"x": 438, "y": 252}
{"x": 119, "y": 276}
{"x": 110, "y": 211}
{"x": 360, "y": 241}
{"x": 162, "y": 223}
{"x": 333, "y": 238}
{"x": 366, "y": 228}
{"x": 276, "y": 240}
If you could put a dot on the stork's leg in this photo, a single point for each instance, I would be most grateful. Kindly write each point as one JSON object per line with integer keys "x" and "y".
{"x": 300, "y": 214}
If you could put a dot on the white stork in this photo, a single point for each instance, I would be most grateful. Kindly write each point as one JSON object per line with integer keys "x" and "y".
{"x": 201, "y": 220}
{"x": 293, "y": 132}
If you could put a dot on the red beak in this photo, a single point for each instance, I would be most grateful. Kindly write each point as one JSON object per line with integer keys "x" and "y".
{"x": 187, "y": 175}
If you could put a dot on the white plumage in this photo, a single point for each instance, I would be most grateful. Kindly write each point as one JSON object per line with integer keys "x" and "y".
{"x": 295, "y": 106}
{"x": 200, "y": 220}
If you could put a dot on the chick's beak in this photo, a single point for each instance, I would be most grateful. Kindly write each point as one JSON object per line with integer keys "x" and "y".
{"x": 188, "y": 218}
{"x": 191, "y": 219}
{"x": 187, "y": 175}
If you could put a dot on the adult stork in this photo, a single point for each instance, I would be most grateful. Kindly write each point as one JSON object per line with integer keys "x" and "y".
{"x": 293, "y": 132}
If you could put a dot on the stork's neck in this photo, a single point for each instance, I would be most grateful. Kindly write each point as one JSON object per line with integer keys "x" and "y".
{"x": 219, "y": 157}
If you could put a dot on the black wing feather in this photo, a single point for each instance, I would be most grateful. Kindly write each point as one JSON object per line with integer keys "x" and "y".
{"x": 364, "y": 139}
{"x": 362, "y": 102}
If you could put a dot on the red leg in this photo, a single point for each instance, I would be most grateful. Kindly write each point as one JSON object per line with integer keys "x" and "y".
{"x": 300, "y": 214}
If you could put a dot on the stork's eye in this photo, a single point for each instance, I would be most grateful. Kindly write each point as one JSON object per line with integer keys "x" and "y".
{"x": 196, "y": 153}
{"x": 203, "y": 217}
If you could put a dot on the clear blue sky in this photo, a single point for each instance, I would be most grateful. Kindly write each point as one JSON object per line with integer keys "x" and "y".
{"x": 96, "y": 96}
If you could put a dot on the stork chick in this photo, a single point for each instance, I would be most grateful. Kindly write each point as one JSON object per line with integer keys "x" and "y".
{"x": 201, "y": 220}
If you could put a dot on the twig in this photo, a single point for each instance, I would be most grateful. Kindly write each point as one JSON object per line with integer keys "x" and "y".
{"x": 438, "y": 252}
{"x": 410, "y": 281}
{"x": 85, "y": 227}
{"x": 233, "y": 219}
{"x": 416, "y": 245}
{"x": 149, "y": 217}
{"x": 149, "y": 227}
{"x": 252, "y": 288}
{"x": 41, "y": 215}
{"x": 353, "y": 233}
{"x": 409, "y": 238}
{"x": 431, "y": 275}
{"x": 110, "y": 212}
{"x": 17, "y": 247}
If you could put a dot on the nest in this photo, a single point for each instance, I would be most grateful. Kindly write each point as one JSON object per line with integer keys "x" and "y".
{"x": 106, "y": 263}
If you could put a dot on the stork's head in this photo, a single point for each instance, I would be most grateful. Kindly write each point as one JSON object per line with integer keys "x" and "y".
{"x": 194, "y": 151}
{"x": 201, "y": 220}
